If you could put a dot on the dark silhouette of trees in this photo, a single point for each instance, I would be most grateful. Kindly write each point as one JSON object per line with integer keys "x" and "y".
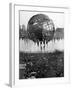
{"x": 59, "y": 33}
{"x": 23, "y": 32}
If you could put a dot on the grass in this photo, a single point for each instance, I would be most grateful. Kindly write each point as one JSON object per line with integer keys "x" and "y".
{"x": 41, "y": 65}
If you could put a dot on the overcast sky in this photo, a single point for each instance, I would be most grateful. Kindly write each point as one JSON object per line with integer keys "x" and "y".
{"x": 58, "y": 18}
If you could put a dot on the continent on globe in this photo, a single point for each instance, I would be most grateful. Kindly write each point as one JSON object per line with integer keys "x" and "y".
{"x": 40, "y": 28}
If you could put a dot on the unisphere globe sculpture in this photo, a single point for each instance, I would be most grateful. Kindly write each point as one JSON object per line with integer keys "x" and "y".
{"x": 40, "y": 28}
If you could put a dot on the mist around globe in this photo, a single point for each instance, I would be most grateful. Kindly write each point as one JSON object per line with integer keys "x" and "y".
{"x": 31, "y": 47}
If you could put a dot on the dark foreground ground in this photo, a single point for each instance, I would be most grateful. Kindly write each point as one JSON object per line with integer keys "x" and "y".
{"x": 41, "y": 65}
